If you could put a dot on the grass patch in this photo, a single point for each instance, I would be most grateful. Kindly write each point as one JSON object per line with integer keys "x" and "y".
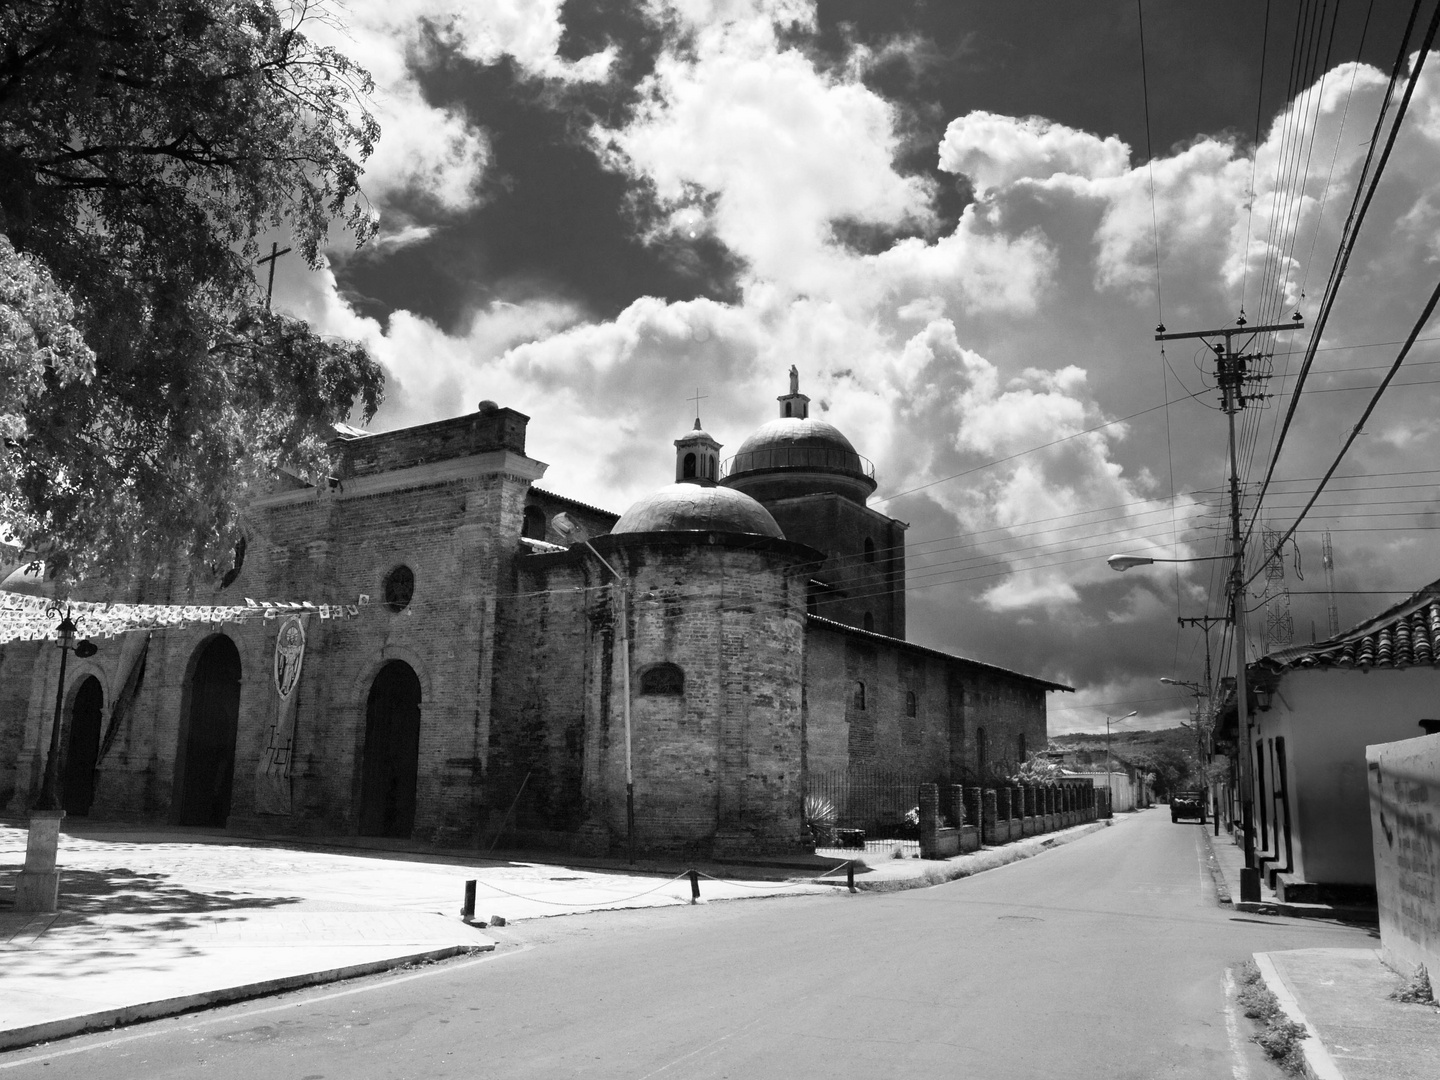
{"x": 1418, "y": 990}
{"x": 1279, "y": 1036}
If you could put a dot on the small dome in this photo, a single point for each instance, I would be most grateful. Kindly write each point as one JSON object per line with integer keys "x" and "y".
{"x": 693, "y": 508}
{"x": 789, "y": 443}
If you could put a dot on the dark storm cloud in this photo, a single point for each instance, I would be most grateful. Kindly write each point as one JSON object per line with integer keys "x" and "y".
{"x": 1077, "y": 62}
{"x": 552, "y": 220}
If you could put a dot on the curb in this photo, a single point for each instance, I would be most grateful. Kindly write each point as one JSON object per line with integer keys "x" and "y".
{"x": 1222, "y": 888}
{"x": 1319, "y": 1065}
{"x": 977, "y": 862}
{"x": 15, "y": 1038}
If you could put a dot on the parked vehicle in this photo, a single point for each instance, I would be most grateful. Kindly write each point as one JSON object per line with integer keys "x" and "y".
{"x": 1187, "y": 804}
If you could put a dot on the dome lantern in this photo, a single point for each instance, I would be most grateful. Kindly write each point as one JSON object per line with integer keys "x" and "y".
{"x": 794, "y": 455}
{"x": 697, "y": 457}
{"x": 794, "y": 405}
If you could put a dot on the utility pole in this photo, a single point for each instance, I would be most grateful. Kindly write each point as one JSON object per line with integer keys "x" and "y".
{"x": 275, "y": 253}
{"x": 1205, "y": 622}
{"x": 1231, "y": 373}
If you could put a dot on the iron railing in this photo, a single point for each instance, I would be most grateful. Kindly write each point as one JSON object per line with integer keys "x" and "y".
{"x": 875, "y": 800}
{"x": 799, "y": 457}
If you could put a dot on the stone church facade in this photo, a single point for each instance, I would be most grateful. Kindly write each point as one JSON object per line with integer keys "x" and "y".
{"x": 521, "y": 662}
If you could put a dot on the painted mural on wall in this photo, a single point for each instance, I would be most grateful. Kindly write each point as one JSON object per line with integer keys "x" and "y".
{"x": 272, "y": 777}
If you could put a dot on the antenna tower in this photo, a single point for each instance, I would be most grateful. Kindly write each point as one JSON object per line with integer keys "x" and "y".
{"x": 1328, "y": 558}
{"x": 1279, "y": 625}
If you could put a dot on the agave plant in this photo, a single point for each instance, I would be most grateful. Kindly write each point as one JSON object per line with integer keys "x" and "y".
{"x": 820, "y": 817}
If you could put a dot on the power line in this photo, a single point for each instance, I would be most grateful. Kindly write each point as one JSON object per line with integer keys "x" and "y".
{"x": 1355, "y": 431}
{"x": 1364, "y": 194}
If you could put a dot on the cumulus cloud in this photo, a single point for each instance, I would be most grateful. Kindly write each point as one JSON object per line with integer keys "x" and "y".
{"x": 434, "y": 151}
{"x": 971, "y": 366}
{"x": 782, "y": 149}
{"x": 994, "y": 151}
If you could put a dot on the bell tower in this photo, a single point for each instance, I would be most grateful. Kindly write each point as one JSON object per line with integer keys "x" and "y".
{"x": 697, "y": 457}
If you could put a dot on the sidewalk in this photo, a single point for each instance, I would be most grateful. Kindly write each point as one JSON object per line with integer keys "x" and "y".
{"x": 157, "y": 921}
{"x": 1341, "y": 996}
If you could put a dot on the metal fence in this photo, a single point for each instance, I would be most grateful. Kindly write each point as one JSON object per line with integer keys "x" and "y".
{"x": 875, "y": 800}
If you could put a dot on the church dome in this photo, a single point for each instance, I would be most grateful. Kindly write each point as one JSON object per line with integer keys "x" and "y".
{"x": 791, "y": 443}
{"x": 697, "y": 508}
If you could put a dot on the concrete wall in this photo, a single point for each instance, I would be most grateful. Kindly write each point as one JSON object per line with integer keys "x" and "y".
{"x": 1327, "y": 717}
{"x": 1404, "y": 789}
{"x": 1123, "y": 792}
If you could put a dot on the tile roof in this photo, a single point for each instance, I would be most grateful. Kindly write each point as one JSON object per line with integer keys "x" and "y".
{"x": 854, "y": 631}
{"x": 1405, "y": 635}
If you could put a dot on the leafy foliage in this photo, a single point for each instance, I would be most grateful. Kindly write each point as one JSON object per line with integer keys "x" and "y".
{"x": 1036, "y": 770}
{"x": 144, "y": 145}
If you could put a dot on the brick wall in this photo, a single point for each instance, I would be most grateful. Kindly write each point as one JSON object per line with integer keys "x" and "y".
{"x": 953, "y": 697}
{"x": 856, "y": 583}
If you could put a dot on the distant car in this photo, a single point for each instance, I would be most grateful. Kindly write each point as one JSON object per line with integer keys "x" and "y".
{"x": 1187, "y": 804}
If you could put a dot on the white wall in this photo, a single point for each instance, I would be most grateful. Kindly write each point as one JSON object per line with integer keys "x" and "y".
{"x": 1404, "y": 800}
{"x": 1327, "y": 717}
{"x": 1122, "y": 789}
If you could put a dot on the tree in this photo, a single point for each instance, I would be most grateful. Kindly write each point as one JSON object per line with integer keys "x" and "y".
{"x": 1170, "y": 765}
{"x": 144, "y": 146}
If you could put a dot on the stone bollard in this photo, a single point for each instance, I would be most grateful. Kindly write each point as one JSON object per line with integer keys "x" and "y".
{"x": 1003, "y": 813}
{"x": 990, "y": 812}
{"x": 37, "y": 889}
{"x": 929, "y": 799}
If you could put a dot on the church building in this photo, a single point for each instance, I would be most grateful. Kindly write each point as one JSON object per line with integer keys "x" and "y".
{"x": 509, "y": 661}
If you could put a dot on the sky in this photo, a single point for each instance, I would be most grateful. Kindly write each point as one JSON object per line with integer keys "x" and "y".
{"x": 962, "y": 222}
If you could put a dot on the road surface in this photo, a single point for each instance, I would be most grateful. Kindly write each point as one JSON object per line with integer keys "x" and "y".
{"x": 1106, "y": 958}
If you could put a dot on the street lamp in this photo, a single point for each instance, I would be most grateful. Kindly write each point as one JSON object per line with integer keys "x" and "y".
{"x": 1109, "y": 793}
{"x": 1250, "y": 876}
{"x": 50, "y": 786}
{"x": 37, "y": 889}
{"x": 1129, "y": 562}
{"x": 1202, "y": 738}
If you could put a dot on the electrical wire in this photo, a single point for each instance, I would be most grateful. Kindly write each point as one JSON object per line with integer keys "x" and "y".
{"x": 1375, "y": 399}
{"x": 1364, "y": 195}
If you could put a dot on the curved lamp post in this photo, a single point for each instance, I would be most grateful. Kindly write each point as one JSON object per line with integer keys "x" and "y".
{"x": 1108, "y": 791}
{"x": 1250, "y": 876}
{"x": 37, "y": 888}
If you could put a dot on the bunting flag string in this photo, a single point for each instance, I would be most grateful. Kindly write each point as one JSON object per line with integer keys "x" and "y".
{"x": 36, "y": 618}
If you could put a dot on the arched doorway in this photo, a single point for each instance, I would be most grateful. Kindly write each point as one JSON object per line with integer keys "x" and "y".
{"x": 207, "y": 764}
{"x": 83, "y": 748}
{"x": 392, "y": 752}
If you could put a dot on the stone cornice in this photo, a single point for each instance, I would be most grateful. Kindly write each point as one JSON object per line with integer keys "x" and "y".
{"x": 506, "y": 463}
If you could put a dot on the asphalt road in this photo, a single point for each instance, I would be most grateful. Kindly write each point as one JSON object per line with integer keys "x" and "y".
{"x": 1106, "y": 958}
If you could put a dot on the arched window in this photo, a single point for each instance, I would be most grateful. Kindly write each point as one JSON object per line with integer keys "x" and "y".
{"x": 912, "y": 704}
{"x": 534, "y": 527}
{"x": 868, "y": 622}
{"x": 787, "y": 408}
{"x": 687, "y": 469}
{"x": 869, "y": 550}
{"x": 981, "y": 751}
{"x": 399, "y": 588}
{"x": 860, "y": 695}
{"x": 710, "y": 466}
{"x": 662, "y": 679}
{"x": 1022, "y": 747}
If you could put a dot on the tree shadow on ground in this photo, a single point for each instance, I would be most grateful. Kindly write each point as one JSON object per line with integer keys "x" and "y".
{"x": 118, "y": 891}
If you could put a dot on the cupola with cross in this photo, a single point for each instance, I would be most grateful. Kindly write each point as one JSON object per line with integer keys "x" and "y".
{"x": 697, "y": 457}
